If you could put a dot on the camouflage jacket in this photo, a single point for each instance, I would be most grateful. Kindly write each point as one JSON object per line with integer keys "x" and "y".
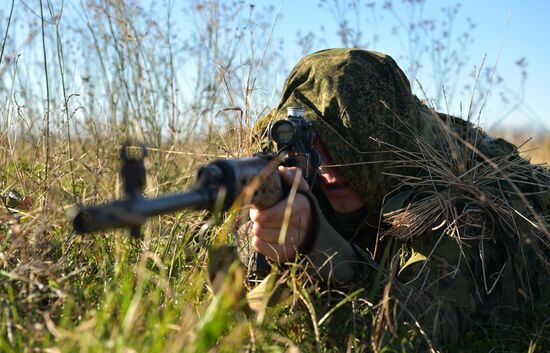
{"x": 456, "y": 219}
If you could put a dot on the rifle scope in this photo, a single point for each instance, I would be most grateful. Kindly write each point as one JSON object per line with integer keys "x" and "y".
{"x": 291, "y": 130}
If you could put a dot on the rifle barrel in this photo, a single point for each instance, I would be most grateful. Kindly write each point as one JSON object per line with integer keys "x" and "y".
{"x": 133, "y": 212}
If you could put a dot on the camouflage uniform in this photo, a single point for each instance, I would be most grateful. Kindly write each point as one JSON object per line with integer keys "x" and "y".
{"x": 460, "y": 214}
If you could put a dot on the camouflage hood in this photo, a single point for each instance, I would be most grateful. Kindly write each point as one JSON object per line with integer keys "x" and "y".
{"x": 361, "y": 105}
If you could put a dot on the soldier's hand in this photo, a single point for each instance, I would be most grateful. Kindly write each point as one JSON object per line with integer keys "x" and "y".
{"x": 267, "y": 237}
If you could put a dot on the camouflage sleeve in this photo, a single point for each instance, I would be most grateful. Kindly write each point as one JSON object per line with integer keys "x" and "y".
{"x": 331, "y": 258}
{"x": 445, "y": 283}
{"x": 441, "y": 295}
{"x": 455, "y": 283}
{"x": 432, "y": 288}
{"x": 463, "y": 273}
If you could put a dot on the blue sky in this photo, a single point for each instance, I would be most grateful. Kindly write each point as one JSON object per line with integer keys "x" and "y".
{"x": 506, "y": 31}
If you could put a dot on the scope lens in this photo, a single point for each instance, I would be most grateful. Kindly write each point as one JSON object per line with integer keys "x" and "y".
{"x": 282, "y": 132}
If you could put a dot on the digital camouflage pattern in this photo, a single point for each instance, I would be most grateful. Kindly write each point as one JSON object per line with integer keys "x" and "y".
{"x": 351, "y": 115}
{"x": 465, "y": 216}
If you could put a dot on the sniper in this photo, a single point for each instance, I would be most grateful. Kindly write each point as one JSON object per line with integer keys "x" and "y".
{"x": 454, "y": 220}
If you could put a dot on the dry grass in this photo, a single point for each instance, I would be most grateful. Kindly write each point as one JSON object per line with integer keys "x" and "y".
{"x": 112, "y": 73}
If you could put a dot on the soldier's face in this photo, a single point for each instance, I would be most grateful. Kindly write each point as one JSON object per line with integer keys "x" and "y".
{"x": 334, "y": 185}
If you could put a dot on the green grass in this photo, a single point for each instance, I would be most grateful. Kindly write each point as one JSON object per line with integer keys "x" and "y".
{"x": 108, "y": 293}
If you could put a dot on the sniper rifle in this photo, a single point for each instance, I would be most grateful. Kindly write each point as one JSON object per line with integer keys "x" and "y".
{"x": 251, "y": 180}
